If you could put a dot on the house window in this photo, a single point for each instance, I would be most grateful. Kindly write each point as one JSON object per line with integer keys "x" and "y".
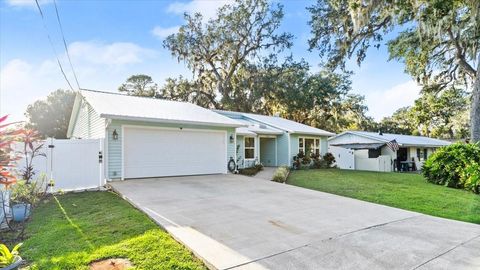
{"x": 249, "y": 147}
{"x": 422, "y": 154}
{"x": 309, "y": 145}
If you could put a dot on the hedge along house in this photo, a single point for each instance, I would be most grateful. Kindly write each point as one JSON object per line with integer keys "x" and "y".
{"x": 274, "y": 141}
{"x": 147, "y": 137}
{"x": 369, "y": 151}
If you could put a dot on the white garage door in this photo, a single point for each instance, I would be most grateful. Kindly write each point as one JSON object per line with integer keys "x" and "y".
{"x": 152, "y": 152}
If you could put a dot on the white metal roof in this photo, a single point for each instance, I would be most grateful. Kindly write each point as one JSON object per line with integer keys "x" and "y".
{"x": 281, "y": 123}
{"x": 124, "y": 107}
{"x": 253, "y": 128}
{"x": 401, "y": 139}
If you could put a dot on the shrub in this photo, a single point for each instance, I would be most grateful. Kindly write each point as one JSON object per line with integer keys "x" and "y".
{"x": 456, "y": 166}
{"x": 280, "y": 174}
{"x": 319, "y": 164}
{"x": 251, "y": 171}
{"x": 329, "y": 159}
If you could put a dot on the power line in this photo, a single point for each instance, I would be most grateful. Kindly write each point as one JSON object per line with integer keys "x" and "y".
{"x": 53, "y": 47}
{"x": 65, "y": 44}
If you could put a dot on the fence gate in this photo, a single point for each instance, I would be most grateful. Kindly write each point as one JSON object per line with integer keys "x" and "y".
{"x": 75, "y": 164}
{"x": 72, "y": 164}
{"x": 344, "y": 158}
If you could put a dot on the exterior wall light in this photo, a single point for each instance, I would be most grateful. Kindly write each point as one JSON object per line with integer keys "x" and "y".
{"x": 115, "y": 135}
{"x": 231, "y": 138}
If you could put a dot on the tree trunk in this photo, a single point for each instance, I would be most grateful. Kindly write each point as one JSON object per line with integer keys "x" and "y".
{"x": 475, "y": 108}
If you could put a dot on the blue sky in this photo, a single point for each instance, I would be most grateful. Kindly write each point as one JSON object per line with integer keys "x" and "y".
{"x": 110, "y": 40}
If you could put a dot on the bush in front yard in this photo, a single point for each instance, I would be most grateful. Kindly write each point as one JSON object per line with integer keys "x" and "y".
{"x": 251, "y": 171}
{"x": 280, "y": 174}
{"x": 456, "y": 165}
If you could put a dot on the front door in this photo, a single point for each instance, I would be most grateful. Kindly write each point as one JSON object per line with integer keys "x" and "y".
{"x": 268, "y": 152}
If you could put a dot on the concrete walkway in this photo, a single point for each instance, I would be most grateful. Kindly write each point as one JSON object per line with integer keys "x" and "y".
{"x": 237, "y": 222}
{"x": 266, "y": 173}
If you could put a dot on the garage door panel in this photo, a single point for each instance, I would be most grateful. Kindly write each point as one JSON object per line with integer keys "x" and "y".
{"x": 168, "y": 152}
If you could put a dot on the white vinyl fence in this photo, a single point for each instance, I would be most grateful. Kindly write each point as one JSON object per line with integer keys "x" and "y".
{"x": 344, "y": 158}
{"x": 72, "y": 164}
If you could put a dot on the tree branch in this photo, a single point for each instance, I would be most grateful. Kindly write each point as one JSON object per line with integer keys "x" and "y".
{"x": 460, "y": 55}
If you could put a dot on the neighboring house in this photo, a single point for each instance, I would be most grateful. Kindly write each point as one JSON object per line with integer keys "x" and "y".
{"x": 360, "y": 150}
{"x": 146, "y": 137}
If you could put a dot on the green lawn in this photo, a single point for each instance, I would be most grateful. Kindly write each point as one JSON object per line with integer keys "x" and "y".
{"x": 78, "y": 228}
{"x": 402, "y": 190}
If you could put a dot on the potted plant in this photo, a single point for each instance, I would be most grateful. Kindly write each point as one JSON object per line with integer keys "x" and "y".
{"x": 27, "y": 192}
{"x": 24, "y": 195}
{"x": 9, "y": 260}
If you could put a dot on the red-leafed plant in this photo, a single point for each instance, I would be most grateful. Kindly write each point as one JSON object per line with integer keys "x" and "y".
{"x": 8, "y": 134}
{"x": 32, "y": 146}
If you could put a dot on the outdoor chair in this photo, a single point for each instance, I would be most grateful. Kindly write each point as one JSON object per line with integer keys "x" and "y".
{"x": 418, "y": 163}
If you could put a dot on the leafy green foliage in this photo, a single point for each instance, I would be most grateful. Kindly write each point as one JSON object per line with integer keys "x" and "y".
{"x": 251, "y": 171}
{"x": 8, "y": 257}
{"x": 439, "y": 115}
{"x": 51, "y": 116}
{"x": 29, "y": 192}
{"x": 434, "y": 115}
{"x": 439, "y": 40}
{"x": 455, "y": 166}
{"x": 280, "y": 175}
{"x": 313, "y": 161}
{"x": 75, "y": 229}
{"x": 329, "y": 158}
{"x": 401, "y": 122}
{"x": 217, "y": 50}
{"x": 239, "y": 63}
{"x": 139, "y": 85}
{"x": 401, "y": 190}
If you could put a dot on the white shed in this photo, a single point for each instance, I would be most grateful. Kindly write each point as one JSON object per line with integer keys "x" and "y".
{"x": 360, "y": 150}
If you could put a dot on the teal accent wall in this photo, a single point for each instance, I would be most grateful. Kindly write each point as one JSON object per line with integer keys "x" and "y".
{"x": 323, "y": 145}
{"x": 240, "y": 151}
{"x": 267, "y": 152}
{"x": 294, "y": 143}
{"x": 282, "y": 150}
{"x": 115, "y": 146}
{"x": 88, "y": 124}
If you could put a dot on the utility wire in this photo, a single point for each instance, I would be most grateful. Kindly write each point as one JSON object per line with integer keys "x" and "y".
{"x": 65, "y": 44}
{"x": 53, "y": 47}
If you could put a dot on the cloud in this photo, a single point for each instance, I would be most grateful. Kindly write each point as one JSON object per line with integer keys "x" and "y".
{"x": 385, "y": 103}
{"x": 26, "y": 3}
{"x": 161, "y": 32}
{"x": 22, "y": 83}
{"x": 97, "y": 65}
{"x": 207, "y": 8}
{"x": 117, "y": 53}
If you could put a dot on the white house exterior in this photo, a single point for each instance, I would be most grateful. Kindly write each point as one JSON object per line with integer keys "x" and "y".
{"x": 360, "y": 150}
{"x": 146, "y": 137}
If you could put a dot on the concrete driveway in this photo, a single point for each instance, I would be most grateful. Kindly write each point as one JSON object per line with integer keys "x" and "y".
{"x": 237, "y": 222}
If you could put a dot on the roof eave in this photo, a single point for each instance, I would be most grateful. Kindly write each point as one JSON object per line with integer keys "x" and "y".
{"x": 361, "y": 135}
{"x": 424, "y": 145}
{"x": 313, "y": 133}
{"x": 246, "y": 133}
{"x": 169, "y": 121}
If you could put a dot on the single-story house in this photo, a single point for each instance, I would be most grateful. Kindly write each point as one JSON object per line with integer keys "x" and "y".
{"x": 146, "y": 137}
{"x": 361, "y": 150}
